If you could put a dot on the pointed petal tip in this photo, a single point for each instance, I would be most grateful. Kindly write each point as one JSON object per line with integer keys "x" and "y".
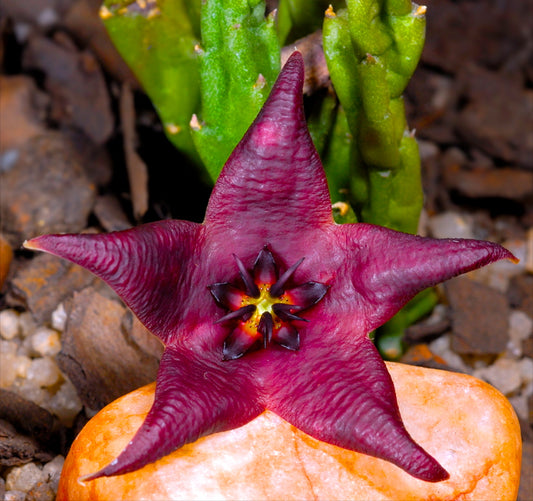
{"x": 426, "y": 468}
{"x": 32, "y": 244}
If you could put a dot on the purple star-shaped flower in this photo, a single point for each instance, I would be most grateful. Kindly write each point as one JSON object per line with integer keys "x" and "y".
{"x": 268, "y": 303}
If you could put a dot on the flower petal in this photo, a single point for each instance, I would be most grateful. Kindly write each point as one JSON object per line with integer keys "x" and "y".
{"x": 251, "y": 288}
{"x": 343, "y": 394}
{"x": 285, "y": 312}
{"x": 243, "y": 313}
{"x": 144, "y": 265}
{"x": 193, "y": 398}
{"x": 306, "y": 295}
{"x": 273, "y": 181}
{"x": 287, "y": 336}
{"x": 265, "y": 269}
{"x": 265, "y": 328}
{"x": 279, "y": 287}
{"x": 388, "y": 268}
{"x": 227, "y": 295}
{"x": 239, "y": 342}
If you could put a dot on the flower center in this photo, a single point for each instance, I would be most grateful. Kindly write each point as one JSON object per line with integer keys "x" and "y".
{"x": 265, "y": 310}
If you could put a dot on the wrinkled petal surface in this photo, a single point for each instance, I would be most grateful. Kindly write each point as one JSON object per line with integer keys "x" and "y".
{"x": 388, "y": 268}
{"x": 273, "y": 183}
{"x": 343, "y": 395}
{"x": 147, "y": 266}
{"x": 194, "y": 397}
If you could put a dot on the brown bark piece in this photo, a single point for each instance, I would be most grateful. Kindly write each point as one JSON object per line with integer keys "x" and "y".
{"x": 16, "y": 449}
{"x": 98, "y": 354}
{"x": 26, "y": 416}
{"x": 137, "y": 171}
{"x": 510, "y": 183}
{"x": 45, "y": 191}
{"x": 76, "y": 84}
{"x": 21, "y": 109}
{"x": 498, "y": 116}
{"x": 110, "y": 214}
{"x": 461, "y": 32}
{"x": 83, "y": 21}
{"x": 46, "y": 281}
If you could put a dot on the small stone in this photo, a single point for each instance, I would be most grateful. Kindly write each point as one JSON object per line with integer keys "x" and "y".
{"x": 44, "y": 372}
{"x": 42, "y": 491}
{"x": 526, "y": 370}
{"x": 477, "y": 328}
{"x": 53, "y": 471}
{"x": 21, "y": 365}
{"x": 504, "y": 374}
{"x": 441, "y": 348}
{"x": 8, "y": 363}
{"x": 520, "y": 328}
{"x": 23, "y": 478}
{"x": 27, "y": 389}
{"x": 59, "y": 318}
{"x": 8, "y": 348}
{"x": 27, "y": 324}
{"x": 451, "y": 225}
{"x": 7, "y": 370}
{"x": 9, "y": 324}
{"x": 65, "y": 404}
{"x": 15, "y": 496}
{"x": 46, "y": 341}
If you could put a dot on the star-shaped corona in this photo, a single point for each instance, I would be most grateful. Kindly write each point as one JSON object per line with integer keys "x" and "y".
{"x": 265, "y": 310}
{"x": 316, "y": 367}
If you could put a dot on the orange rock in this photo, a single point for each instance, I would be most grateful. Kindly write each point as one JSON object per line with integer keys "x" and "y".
{"x": 465, "y": 423}
{"x": 6, "y": 256}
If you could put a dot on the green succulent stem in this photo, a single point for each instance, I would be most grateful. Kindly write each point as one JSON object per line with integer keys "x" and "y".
{"x": 372, "y": 48}
{"x": 234, "y": 81}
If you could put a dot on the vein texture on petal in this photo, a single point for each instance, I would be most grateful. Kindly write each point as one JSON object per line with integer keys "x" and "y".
{"x": 274, "y": 176}
{"x": 388, "y": 268}
{"x": 344, "y": 395}
{"x": 146, "y": 266}
{"x": 193, "y": 398}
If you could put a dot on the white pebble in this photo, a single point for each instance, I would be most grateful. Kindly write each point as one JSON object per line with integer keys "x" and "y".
{"x": 46, "y": 341}
{"x": 504, "y": 374}
{"x": 59, "y": 318}
{"x": 526, "y": 370}
{"x": 440, "y": 345}
{"x": 14, "y": 496}
{"x": 22, "y": 364}
{"x": 26, "y": 347}
{"x": 65, "y": 404}
{"x": 27, "y": 324}
{"x": 30, "y": 391}
{"x": 7, "y": 370}
{"x": 8, "y": 348}
{"x": 9, "y": 324}
{"x": 43, "y": 372}
{"x": 52, "y": 470}
{"x": 520, "y": 328}
{"x": 23, "y": 478}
